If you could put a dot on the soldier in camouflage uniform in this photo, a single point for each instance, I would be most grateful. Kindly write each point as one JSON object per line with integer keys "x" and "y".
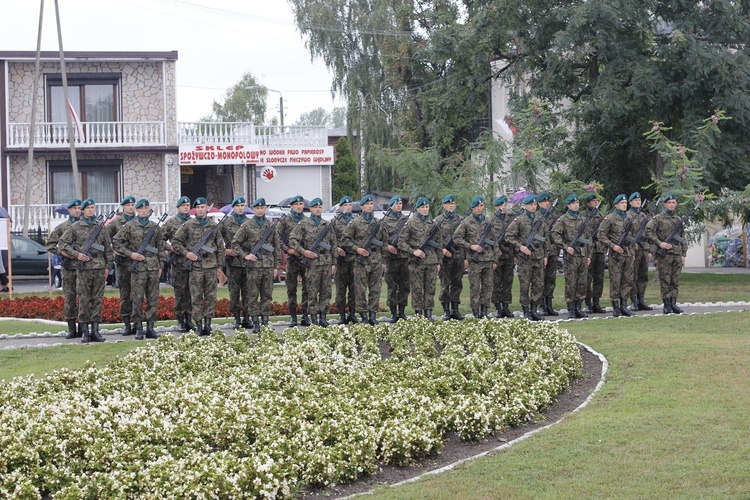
{"x": 502, "y": 281}
{"x": 68, "y": 268}
{"x": 92, "y": 269}
{"x": 550, "y": 268}
{"x": 237, "y": 273}
{"x": 620, "y": 256}
{"x": 396, "y": 261}
{"x": 481, "y": 258}
{"x": 669, "y": 265}
{"x": 595, "y": 278}
{"x": 262, "y": 267}
{"x": 531, "y": 261}
{"x": 183, "y": 308}
{"x": 576, "y": 256}
{"x": 453, "y": 262}
{"x": 205, "y": 267}
{"x": 368, "y": 267}
{"x": 294, "y": 270}
{"x": 424, "y": 263}
{"x": 642, "y": 256}
{"x": 148, "y": 266}
{"x": 322, "y": 265}
{"x": 344, "y": 277}
{"x": 122, "y": 264}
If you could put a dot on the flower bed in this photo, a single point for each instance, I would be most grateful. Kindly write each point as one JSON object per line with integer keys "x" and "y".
{"x": 235, "y": 418}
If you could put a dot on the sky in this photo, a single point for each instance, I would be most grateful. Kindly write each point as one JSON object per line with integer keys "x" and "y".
{"x": 217, "y": 42}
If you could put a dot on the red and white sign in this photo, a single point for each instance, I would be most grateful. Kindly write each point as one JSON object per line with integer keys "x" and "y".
{"x": 296, "y": 156}
{"x": 219, "y": 154}
{"x": 268, "y": 174}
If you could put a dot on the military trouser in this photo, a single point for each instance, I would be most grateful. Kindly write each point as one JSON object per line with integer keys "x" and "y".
{"x": 669, "y": 268}
{"x": 181, "y": 285}
{"x": 620, "y": 277}
{"x": 576, "y": 276}
{"x": 502, "y": 282}
{"x": 295, "y": 271}
{"x": 480, "y": 284}
{"x": 259, "y": 291}
{"x": 531, "y": 279}
{"x": 423, "y": 281}
{"x": 640, "y": 271}
{"x": 397, "y": 281}
{"x": 368, "y": 278}
{"x": 318, "y": 289}
{"x": 451, "y": 280}
{"x": 70, "y": 293}
{"x": 203, "y": 292}
{"x": 344, "y": 279}
{"x": 550, "y": 276}
{"x": 595, "y": 278}
{"x": 144, "y": 284}
{"x": 238, "y": 299}
{"x": 90, "y": 290}
{"x": 124, "y": 278}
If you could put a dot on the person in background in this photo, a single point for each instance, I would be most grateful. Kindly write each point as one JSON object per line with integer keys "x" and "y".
{"x": 236, "y": 270}
{"x": 481, "y": 258}
{"x": 453, "y": 262}
{"x": 122, "y": 264}
{"x": 69, "y": 274}
{"x": 396, "y": 262}
{"x": 183, "y": 308}
{"x": 344, "y": 276}
{"x": 502, "y": 284}
{"x": 642, "y": 257}
{"x": 294, "y": 270}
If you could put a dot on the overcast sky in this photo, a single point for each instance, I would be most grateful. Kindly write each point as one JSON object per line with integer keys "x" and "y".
{"x": 217, "y": 42}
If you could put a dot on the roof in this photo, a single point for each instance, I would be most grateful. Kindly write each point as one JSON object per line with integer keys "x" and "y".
{"x": 30, "y": 55}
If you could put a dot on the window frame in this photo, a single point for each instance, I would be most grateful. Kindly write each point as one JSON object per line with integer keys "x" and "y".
{"x": 81, "y": 80}
{"x": 85, "y": 166}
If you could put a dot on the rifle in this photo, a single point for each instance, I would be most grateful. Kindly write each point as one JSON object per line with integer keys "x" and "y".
{"x": 501, "y": 239}
{"x": 625, "y": 238}
{"x": 319, "y": 241}
{"x": 261, "y": 245}
{"x": 641, "y": 234}
{"x": 674, "y": 236}
{"x": 534, "y": 234}
{"x": 201, "y": 245}
{"x": 579, "y": 239}
{"x": 371, "y": 240}
{"x": 449, "y": 245}
{"x": 428, "y": 242}
{"x": 91, "y": 243}
{"x": 397, "y": 234}
{"x": 484, "y": 240}
{"x": 146, "y": 244}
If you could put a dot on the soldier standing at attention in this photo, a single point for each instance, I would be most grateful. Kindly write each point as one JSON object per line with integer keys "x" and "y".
{"x": 576, "y": 258}
{"x": 236, "y": 270}
{"x": 322, "y": 265}
{"x": 481, "y": 258}
{"x": 368, "y": 267}
{"x": 145, "y": 278}
{"x": 502, "y": 281}
{"x": 344, "y": 276}
{"x": 206, "y": 266}
{"x": 122, "y": 264}
{"x": 68, "y": 267}
{"x": 642, "y": 257}
{"x": 531, "y": 261}
{"x": 262, "y": 268}
{"x": 669, "y": 265}
{"x": 595, "y": 278}
{"x": 424, "y": 264}
{"x": 294, "y": 270}
{"x": 92, "y": 271}
{"x": 550, "y": 268}
{"x": 620, "y": 258}
{"x": 183, "y": 308}
{"x": 453, "y": 262}
{"x": 396, "y": 262}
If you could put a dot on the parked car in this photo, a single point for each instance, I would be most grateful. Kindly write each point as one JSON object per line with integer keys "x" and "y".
{"x": 28, "y": 257}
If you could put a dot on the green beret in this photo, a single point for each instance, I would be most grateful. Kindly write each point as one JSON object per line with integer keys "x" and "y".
{"x": 142, "y": 202}
{"x": 345, "y": 199}
{"x": 260, "y": 202}
{"x": 570, "y": 199}
{"x": 296, "y": 199}
{"x": 449, "y": 199}
{"x": 315, "y": 202}
{"x": 530, "y": 198}
{"x": 421, "y": 201}
{"x": 500, "y": 200}
{"x": 590, "y": 196}
{"x": 88, "y": 201}
{"x": 182, "y": 200}
{"x": 634, "y": 196}
{"x": 366, "y": 199}
{"x": 477, "y": 200}
{"x": 395, "y": 200}
{"x": 239, "y": 199}
{"x": 127, "y": 199}
{"x": 542, "y": 197}
{"x": 619, "y": 198}
{"x": 75, "y": 202}
{"x": 200, "y": 201}
{"x": 670, "y": 196}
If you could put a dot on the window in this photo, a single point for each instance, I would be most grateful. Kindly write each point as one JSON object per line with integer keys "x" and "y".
{"x": 100, "y": 180}
{"x": 94, "y": 97}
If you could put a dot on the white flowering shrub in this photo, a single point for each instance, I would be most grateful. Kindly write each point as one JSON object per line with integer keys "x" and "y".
{"x": 267, "y": 415}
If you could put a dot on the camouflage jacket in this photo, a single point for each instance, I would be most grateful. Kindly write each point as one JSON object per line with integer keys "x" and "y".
{"x": 356, "y": 234}
{"x": 169, "y": 229}
{"x": 339, "y": 228}
{"x": 611, "y": 229}
{"x": 520, "y": 229}
{"x": 190, "y": 233}
{"x": 388, "y": 228}
{"x": 129, "y": 240}
{"x": 413, "y": 235}
{"x": 639, "y": 219}
{"x": 659, "y": 228}
{"x": 285, "y": 228}
{"x": 592, "y": 228}
{"x": 468, "y": 233}
{"x": 113, "y": 228}
{"x": 499, "y": 223}
{"x": 306, "y": 233}
{"x": 552, "y": 248}
{"x": 228, "y": 229}
{"x": 564, "y": 230}
{"x": 76, "y": 237}
{"x": 249, "y": 234}
{"x": 54, "y": 238}
{"x": 447, "y": 229}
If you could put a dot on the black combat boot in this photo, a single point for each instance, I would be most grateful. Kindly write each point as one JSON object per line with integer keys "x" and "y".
{"x": 475, "y": 313}
{"x": 189, "y": 325}
{"x": 342, "y": 318}
{"x": 428, "y": 314}
{"x": 446, "y": 310}
{"x": 402, "y": 312}
{"x": 616, "y": 309}
{"x": 86, "y": 336}
{"x": 483, "y": 311}
{"x": 571, "y": 310}
{"x": 673, "y": 305}
{"x": 365, "y": 318}
{"x": 394, "y": 314}
{"x": 527, "y": 313}
{"x": 128, "y": 330}
{"x": 181, "y": 323}
{"x": 206, "y": 326}
{"x": 455, "y": 314}
{"x": 293, "y": 318}
{"x": 417, "y": 312}
{"x": 246, "y": 324}
{"x": 264, "y": 320}
{"x": 322, "y": 321}
{"x": 580, "y": 313}
{"x": 499, "y": 311}
{"x": 634, "y": 304}
{"x": 256, "y": 325}
{"x": 237, "y": 320}
{"x": 668, "y": 306}
{"x": 138, "y": 330}
{"x": 305, "y": 321}
{"x": 548, "y": 309}
{"x": 642, "y": 304}
{"x": 352, "y": 316}
{"x": 150, "y": 332}
{"x": 597, "y": 308}
{"x": 373, "y": 321}
{"x": 534, "y": 312}
{"x": 624, "y": 308}
{"x": 199, "y": 328}
{"x": 72, "y": 333}
{"x": 95, "y": 336}
{"x": 506, "y": 310}
{"x": 589, "y": 306}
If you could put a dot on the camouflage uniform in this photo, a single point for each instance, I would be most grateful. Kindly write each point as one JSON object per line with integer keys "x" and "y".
{"x": 669, "y": 265}
{"x": 69, "y": 269}
{"x": 621, "y": 267}
{"x": 344, "y": 277}
{"x": 396, "y": 266}
{"x": 180, "y": 275}
{"x": 502, "y": 282}
{"x": 122, "y": 266}
{"x": 530, "y": 268}
{"x": 237, "y": 273}
{"x": 595, "y": 278}
{"x": 640, "y": 265}
{"x": 480, "y": 272}
{"x": 422, "y": 272}
{"x": 368, "y": 271}
{"x": 451, "y": 268}
{"x": 575, "y": 266}
{"x": 259, "y": 283}
{"x": 319, "y": 273}
{"x": 294, "y": 270}
{"x": 550, "y": 269}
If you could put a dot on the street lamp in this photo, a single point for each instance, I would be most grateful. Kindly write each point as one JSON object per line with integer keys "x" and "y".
{"x": 281, "y": 100}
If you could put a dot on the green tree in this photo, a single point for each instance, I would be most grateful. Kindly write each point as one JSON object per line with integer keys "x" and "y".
{"x": 345, "y": 178}
{"x": 321, "y": 117}
{"x": 245, "y": 101}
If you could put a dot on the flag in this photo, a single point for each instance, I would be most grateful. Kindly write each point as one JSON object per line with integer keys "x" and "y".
{"x": 79, "y": 128}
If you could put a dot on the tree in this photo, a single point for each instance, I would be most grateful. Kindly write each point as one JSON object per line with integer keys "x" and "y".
{"x": 345, "y": 179}
{"x": 321, "y": 117}
{"x": 245, "y": 101}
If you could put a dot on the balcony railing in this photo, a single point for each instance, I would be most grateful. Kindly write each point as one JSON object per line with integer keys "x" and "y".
{"x": 95, "y": 135}
{"x": 247, "y": 133}
{"x": 44, "y": 216}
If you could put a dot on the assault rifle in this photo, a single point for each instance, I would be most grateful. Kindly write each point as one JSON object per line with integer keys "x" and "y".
{"x": 484, "y": 241}
{"x": 320, "y": 240}
{"x": 674, "y": 234}
{"x": 641, "y": 234}
{"x": 146, "y": 244}
{"x": 201, "y": 245}
{"x": 91, "y": 243}
{"x": 450, "y": 245}
{"x": 579, "y": 239}
{"x": 371, "y": 242}
{"x": 399, "y": 229}
{"x": 501, "y": 238}
{"x": 428, "y": 241}
{"x": 262, "y": 245}
{"x": 625, "y": 238}
{"x": 534, "y": 234}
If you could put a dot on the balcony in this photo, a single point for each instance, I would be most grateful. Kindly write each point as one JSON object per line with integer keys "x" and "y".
{"x": 44, "y": 217}
{"x": 247, "y": 133}
{"x": 95, "y": 135}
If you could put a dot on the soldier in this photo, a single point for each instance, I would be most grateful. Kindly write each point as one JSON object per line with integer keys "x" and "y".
{"x": 620, "y": 256}
{"x": 424, "y": 264}
{"x": 642, "y": 257}
{"x": 236, "y": 270}
{"x": 321, "y": 261}
{"x": 263, "y": 267}
{"x": 183, "y": 308}
{"x": 368, "y": 267}
{"x": 576, "y": 256}
{"x": 91, "y": 271}
{"x": 148, "y": 266}
{"x": 550, "y": 268}
{"x": 68, "y": 267}
{"x": 453, "y": 262}
{"x": 481, "y": 257}
{"x": 344, "y": 276}
{"x": 122, "y": 264}
{"x": 669, "y": 265}
{"x": 294, "y": 270}
{"x": 206, "y": 265}
{"x": 532, "y": 260}
{"x": 595, "y": 278}
{"x": 502, "y": 281}
{"x": 396, "y": 262}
